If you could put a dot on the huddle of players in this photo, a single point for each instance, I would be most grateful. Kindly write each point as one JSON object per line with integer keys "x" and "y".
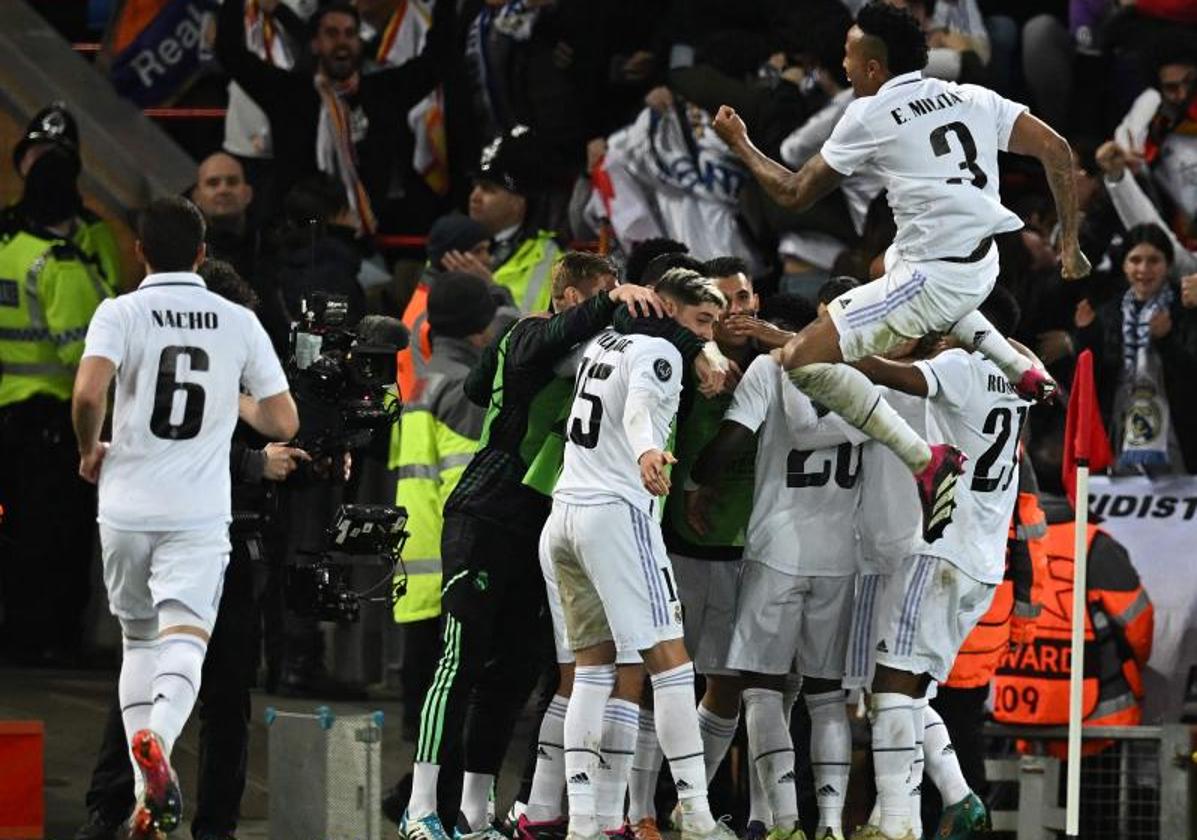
{"x": 834, "y": 579}
{"x": 791, "y": 616}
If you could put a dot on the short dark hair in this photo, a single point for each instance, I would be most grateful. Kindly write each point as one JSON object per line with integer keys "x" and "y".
{"x": 646, "y": 251}
{"x": 898, "y": 32}
{"x": 835, "y": 287}
{"x": 788, "y": 311}
{"x": 578, "y": 268}
{"x": 223, "y": 279}
{"x": 1175, "y": 47}
{"x": 725, "y": 267}
{"x": 657, "y": 267}
{"x": 315, "y": 199}
{"x": 171, "y": 230}
{"x": 343, "y": 7}
{"x": 1002, "y": 310}
{"x": 1147, "y": 233}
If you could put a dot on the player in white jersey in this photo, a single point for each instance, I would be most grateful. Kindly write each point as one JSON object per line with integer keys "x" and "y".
{"x": 603, "y": 538}
{"x": 932, "y": 601}
{"x": 180, "y": 356}
{"x": 795, "y": 594}
{"x": 935, "y": 144}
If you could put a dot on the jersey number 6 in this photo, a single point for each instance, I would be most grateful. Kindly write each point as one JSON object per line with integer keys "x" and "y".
{"x": 941, "y": 147}
{"x": 169, "y": 385}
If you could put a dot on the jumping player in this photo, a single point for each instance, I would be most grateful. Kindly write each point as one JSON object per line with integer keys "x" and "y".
{"x": 935, "y": 144}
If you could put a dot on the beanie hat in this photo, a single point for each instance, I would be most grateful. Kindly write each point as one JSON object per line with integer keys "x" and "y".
{"x": 454, "y": 232}
{"x": 459, "y": 305}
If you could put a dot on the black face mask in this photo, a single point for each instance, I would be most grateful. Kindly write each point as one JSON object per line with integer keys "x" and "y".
{"x": 51, "y": 194}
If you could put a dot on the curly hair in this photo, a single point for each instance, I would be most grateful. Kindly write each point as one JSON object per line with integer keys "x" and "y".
{"x": 900, "y": 34}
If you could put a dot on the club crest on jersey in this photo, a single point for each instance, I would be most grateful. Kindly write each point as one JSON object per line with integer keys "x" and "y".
{"x": 662, "y": 369}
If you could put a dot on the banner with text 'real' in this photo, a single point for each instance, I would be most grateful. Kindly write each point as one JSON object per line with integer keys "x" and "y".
{"x": 153, "y": 49}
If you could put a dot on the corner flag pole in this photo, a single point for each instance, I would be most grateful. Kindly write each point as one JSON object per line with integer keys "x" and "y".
{"x": 1072, "y": 813}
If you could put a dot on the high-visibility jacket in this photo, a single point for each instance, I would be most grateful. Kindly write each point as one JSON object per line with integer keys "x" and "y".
{"x": 1031, "y": 684}
{"x": 528, "y": 273}
{"x": 412, "y": 360}
{"x": 984, "y": 647}
{"x": 439, "y": 431}
{"x": 48, "y": 293}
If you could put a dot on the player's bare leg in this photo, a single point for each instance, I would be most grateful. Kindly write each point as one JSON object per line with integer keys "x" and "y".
{"x": 1030, "y": 381}
{"x": 815, "y": 362}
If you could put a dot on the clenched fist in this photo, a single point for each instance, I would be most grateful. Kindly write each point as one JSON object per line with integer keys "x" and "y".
{"x": 730, "y": 127}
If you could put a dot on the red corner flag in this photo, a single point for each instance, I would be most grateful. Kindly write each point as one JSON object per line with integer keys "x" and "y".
{"x": 1085, "y": 440}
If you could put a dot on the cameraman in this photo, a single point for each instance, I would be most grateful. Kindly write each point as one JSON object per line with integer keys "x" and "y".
{"x": 232, "y": 652}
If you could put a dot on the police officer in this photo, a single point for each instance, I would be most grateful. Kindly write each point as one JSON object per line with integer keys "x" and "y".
{"x": 47, "y": 159}
{"x": 49, "y": 288}
{"x": 506, "y": 198}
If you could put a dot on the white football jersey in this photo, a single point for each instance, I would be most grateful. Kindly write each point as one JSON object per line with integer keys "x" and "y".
{"x": 601, "y": 448}
{"x": 890, "y": 515}
{"x": 935, "y": 144}
{"x": 181, "y": 354}
{"x": 972, "y": 405}
{"x": 808, "y": 477}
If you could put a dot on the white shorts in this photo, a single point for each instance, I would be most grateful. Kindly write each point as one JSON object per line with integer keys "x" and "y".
{"x": 862, "y": 637}
{"x": 615, "y": 582}
{"x": 142, "y": 569}
{"x": 909, "y": 301}
{"x": 708, "y": 592}
{"x": 565, "y": 654}
{"x": 925, "y": 611}
{"x": 790, "y": 622}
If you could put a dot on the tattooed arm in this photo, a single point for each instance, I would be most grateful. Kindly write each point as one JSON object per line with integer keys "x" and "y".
{"x": 1031, "y": 136}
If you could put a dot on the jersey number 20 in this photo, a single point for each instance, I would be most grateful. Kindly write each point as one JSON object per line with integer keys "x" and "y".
{"x": 169, "y": 385}
{"x": 941, "y": 147}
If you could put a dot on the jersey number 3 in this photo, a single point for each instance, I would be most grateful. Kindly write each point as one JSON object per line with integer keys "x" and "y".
{"x": 941, "y": 147}
{"x": 169, "y": 387}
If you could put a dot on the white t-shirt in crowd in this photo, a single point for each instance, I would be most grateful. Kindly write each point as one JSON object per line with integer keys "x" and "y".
{"x": 618, "y": 374}
{"x": 971, "y": 404}
{"x": 808, "y": 477}
{"x": 182, "y": 354}
{"x": 935, "y": 144}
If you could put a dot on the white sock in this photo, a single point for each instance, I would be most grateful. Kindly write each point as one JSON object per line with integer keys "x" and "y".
{"x": 423, "y": 790}
{"x": 677, "y": 729}
{"x": 975, "y": 331}
{"x": 942, "y": 765}
{"x": 850, "y": 394}
{"x": 917, "y": 765}
{"x": 583, "y": 741}
{"x": 548, "y": 781}
{"x": 875, "y": 813}
{"x": 646, "y": 766}
{"x": 475, "y": 798}
{"x": 758, "y": 800}
{"x": 773, "y": 753}
{"x": 717, "y": 734}
{"x": 621, "y": 722}
{"x": 176, "y": 684}
{"x": 830, "y": 756}
{"x": 139, "y": 663}
{"x": 893, "y": 752}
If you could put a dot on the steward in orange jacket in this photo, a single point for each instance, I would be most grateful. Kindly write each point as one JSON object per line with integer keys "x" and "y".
{"x": 1031, "y": 686}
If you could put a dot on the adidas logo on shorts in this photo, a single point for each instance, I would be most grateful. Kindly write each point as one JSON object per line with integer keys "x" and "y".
{"x": 579, "y": 779}
{"x": 826, "y": 790}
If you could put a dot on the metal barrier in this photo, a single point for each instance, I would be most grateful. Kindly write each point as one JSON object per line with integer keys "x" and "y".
{"x": 1138, "y": 788}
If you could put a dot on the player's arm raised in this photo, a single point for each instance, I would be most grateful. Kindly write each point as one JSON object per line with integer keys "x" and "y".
{"x": 274, "y": 417}
{"x": 1033, "y": 137}
{"x": 794, "y": 190}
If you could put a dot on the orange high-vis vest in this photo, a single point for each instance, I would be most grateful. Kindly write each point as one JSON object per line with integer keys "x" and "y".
{"x": 412, "y": 361}
{"x": 1031, "y": 684}
{"x": 984, "y": 647}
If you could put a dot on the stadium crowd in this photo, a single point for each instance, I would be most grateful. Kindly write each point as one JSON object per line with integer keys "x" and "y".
{"x": 543, "y": 151}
